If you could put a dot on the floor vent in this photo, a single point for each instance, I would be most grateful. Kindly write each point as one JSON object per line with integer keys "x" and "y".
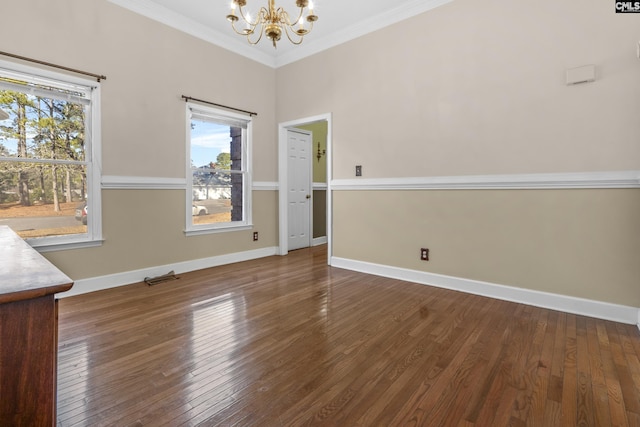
{"x": 161, "y": 279}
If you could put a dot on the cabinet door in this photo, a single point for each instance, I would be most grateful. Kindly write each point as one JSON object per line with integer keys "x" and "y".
{"x": 28, "y": 362}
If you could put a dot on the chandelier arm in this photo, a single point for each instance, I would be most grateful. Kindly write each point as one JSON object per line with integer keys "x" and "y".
{"x": 298, "y": 19}
{"x": 263, "y": 16}
{"x": 308, "y": 29}
{"x": 243, "y": 32}
{"x": 260, "y": 33}
{"x": 285, "y": 20}
{"x": 258, "y": 18}
{"x": 287, "y": 30}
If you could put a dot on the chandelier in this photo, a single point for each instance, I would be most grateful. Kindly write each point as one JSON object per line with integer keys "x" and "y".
{"x": 272, "y": 22}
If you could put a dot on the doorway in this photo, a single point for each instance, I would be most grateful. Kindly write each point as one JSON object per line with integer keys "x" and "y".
{"x": 317, "y": 188}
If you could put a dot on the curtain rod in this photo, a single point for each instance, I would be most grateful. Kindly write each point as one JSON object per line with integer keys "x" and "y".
{"x": 98, "y": 77}
{"x": 188, "y": 98}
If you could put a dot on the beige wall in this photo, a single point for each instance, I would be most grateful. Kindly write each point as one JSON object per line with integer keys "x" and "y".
{"x": 582, "y": 243}
{"x": 148, "y": 67}
{"x": 477, "y": 87}
{"x": 145, "y": 229}
{"x": 472, "y": 87}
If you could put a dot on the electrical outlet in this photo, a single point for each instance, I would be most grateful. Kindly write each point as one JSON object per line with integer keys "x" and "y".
{"x": 255, "y": 236}
{"x": 358, "y": 170}
{"x": 424, "y": 254}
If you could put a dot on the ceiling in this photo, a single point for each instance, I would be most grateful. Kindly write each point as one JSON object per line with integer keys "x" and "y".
{"x": 338, "y": 21}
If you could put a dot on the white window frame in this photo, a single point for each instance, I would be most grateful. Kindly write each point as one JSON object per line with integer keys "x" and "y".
{"x": 247, "y": 222}
{"x": 93, "y": 159}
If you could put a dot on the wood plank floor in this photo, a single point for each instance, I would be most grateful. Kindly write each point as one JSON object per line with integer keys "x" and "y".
{"x": 289, "y": 341}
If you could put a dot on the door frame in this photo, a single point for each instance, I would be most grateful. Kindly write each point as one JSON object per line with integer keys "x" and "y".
{"x": 283, "y": 220}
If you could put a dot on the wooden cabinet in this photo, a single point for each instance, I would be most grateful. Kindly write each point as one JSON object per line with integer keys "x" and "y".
{"x": 28, "y": 333}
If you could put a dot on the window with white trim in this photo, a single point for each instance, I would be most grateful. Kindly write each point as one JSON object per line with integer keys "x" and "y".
{"x": 49, "y": 175}
{"x": 219, "y": 175}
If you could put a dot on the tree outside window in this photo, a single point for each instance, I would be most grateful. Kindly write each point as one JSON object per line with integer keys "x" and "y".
{"x": 44, "y": 157}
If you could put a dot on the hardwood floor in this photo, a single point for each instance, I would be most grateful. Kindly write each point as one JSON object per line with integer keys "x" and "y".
{"x": 289, "y": 341}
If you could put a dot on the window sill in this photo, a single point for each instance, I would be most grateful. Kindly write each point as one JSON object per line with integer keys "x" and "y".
{"x": 64, "y": 246}
{"x": 201, "y": 231}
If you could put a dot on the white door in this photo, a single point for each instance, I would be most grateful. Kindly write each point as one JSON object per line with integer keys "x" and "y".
{"x": 299, "y": 188}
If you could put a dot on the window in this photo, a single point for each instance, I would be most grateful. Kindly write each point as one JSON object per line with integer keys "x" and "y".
{"x": 49, "y": 177}
{"x": 218, "y": 178}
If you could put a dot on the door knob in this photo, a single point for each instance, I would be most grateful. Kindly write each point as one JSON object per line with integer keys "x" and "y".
{"x": 308, "y": 196}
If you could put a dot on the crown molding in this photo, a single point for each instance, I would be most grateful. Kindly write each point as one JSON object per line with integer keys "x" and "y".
{"x": 174, "y": 20}
{"x": 310, "y": 47}
{"x": 366, "y": 26}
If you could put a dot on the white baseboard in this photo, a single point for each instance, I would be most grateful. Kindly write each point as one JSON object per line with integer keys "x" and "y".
{"x": 319, "y": 241}
{"x": 591, "y": 308}
{"x": 93, "y": 284}
{"x": 585, "y": 307}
